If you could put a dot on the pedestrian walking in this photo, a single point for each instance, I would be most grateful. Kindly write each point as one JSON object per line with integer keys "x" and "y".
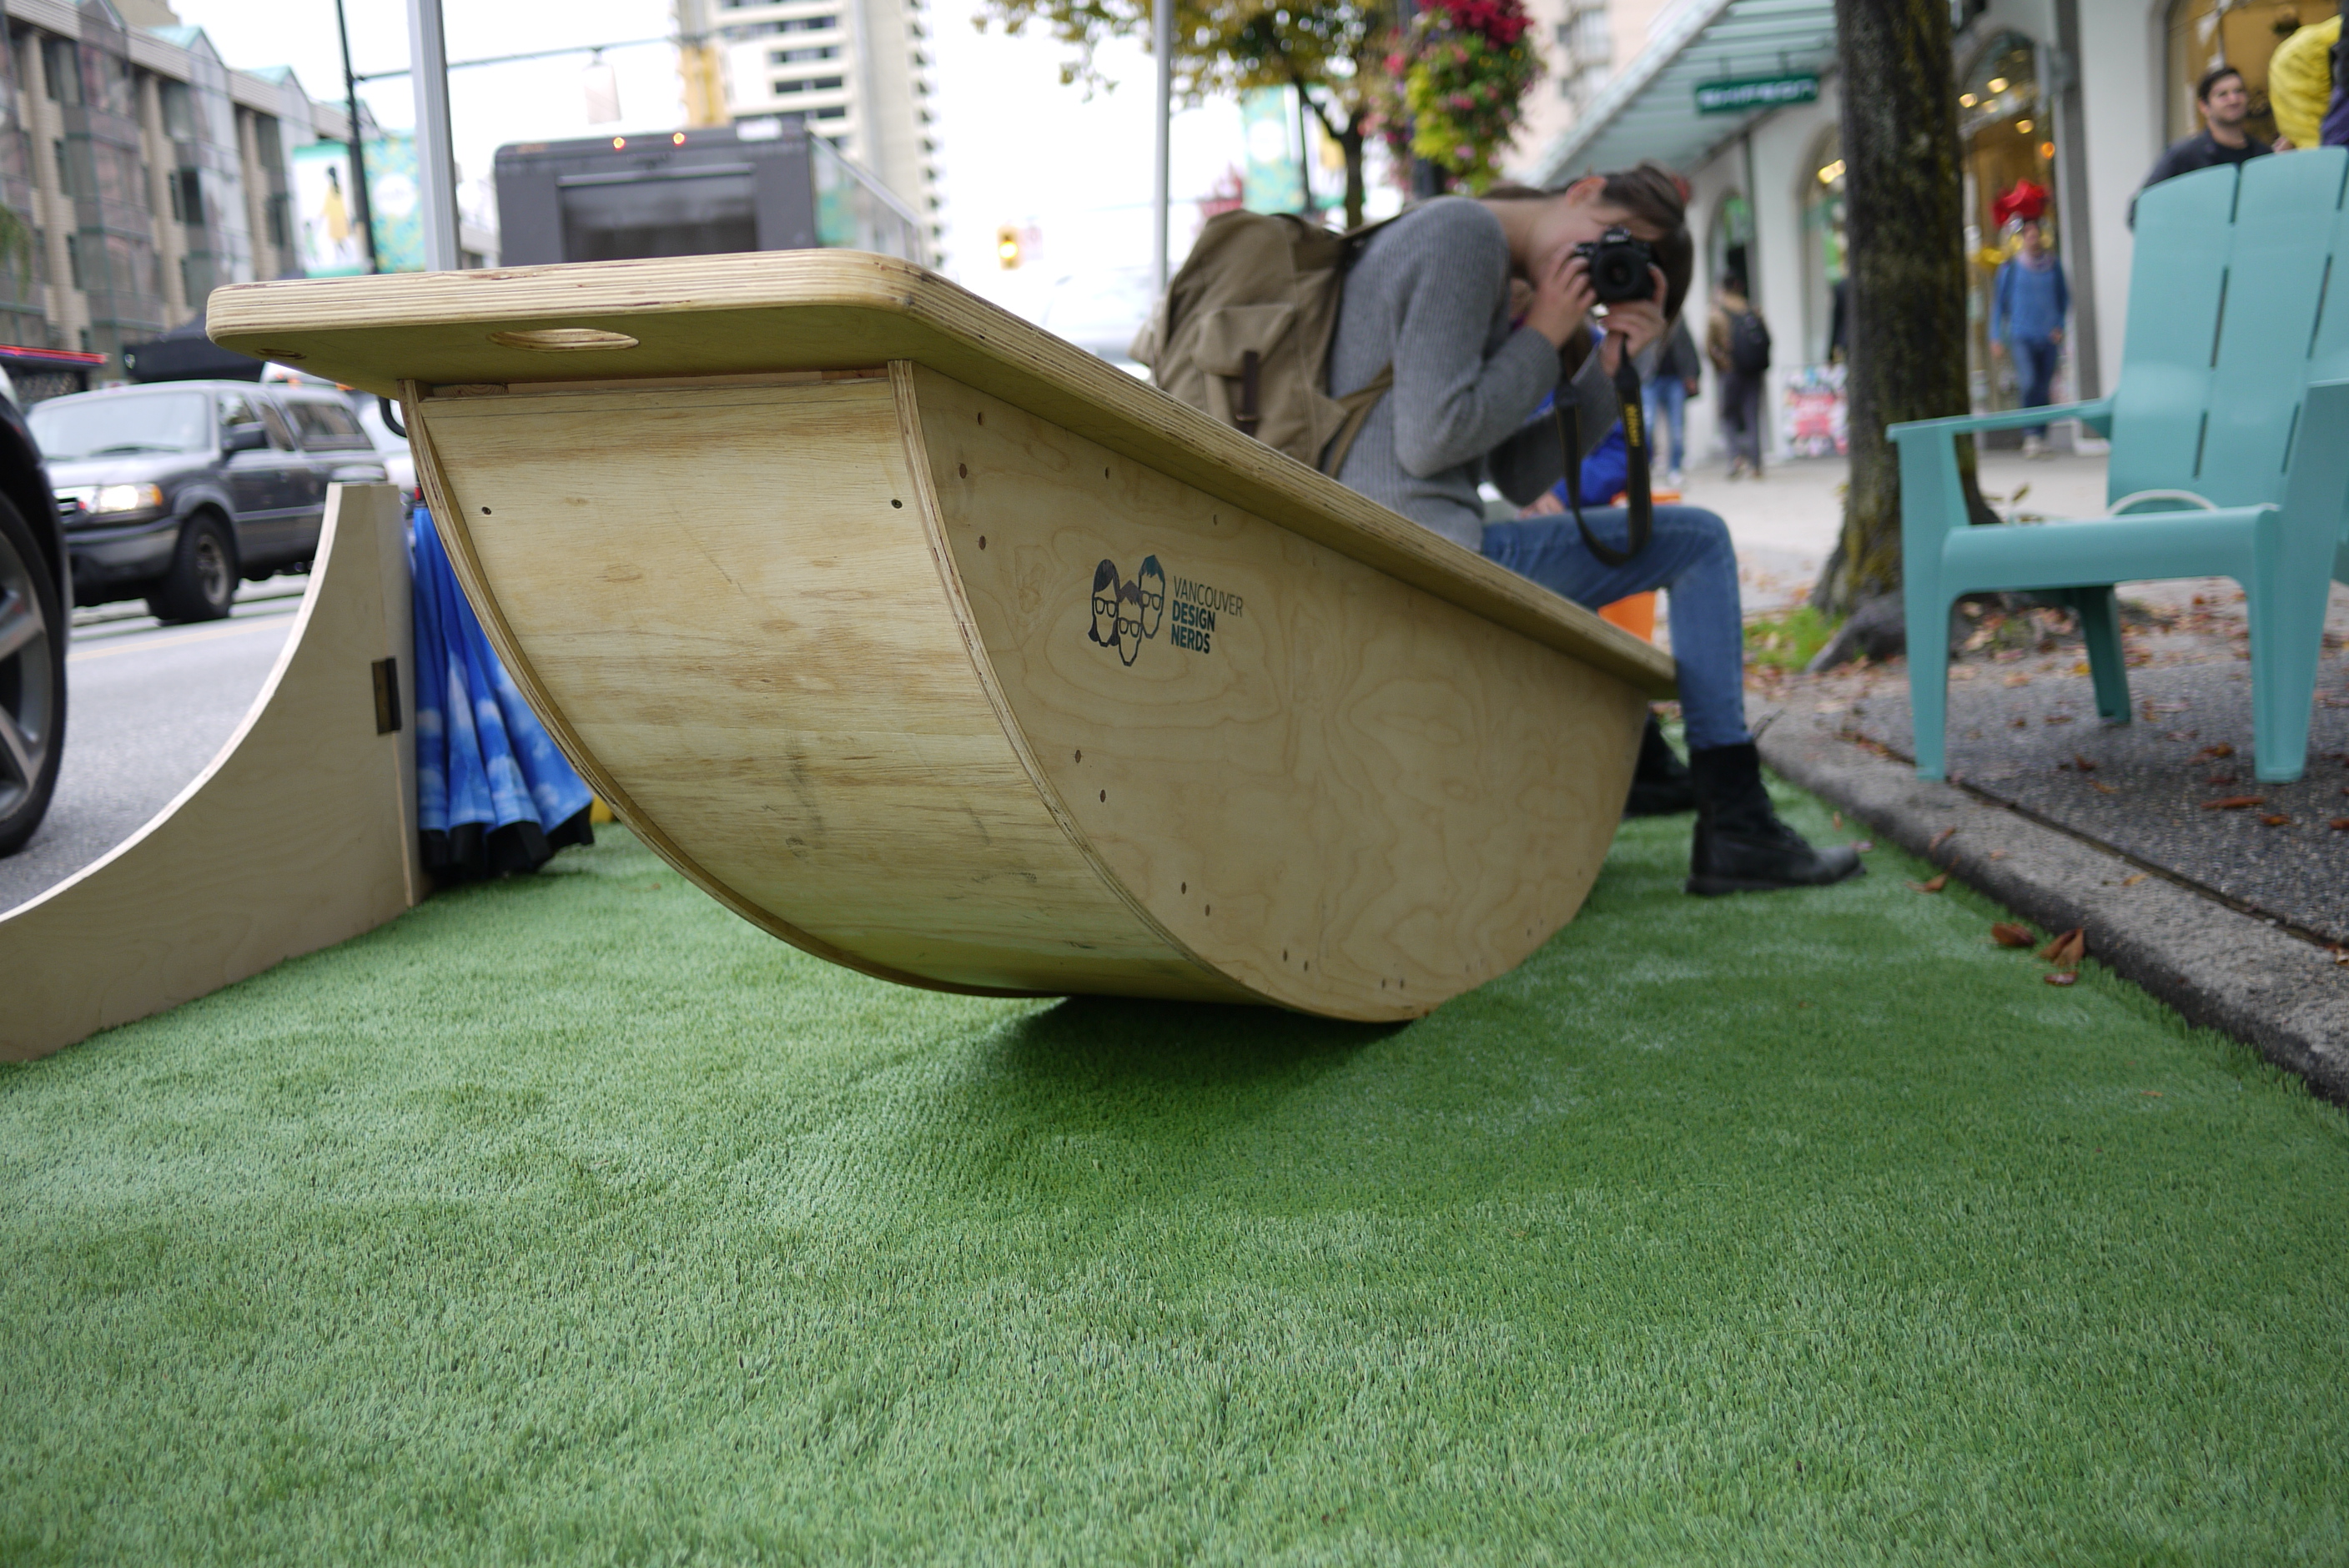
{"x": 2226, "y": 104}
{"x": 1738, "y": 343}
{"x": 1676, "y": 379}
{"x": 2030, "y": 301}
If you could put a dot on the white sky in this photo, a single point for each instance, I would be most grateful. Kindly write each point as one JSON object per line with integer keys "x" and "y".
{"x": 1015, "y": 146}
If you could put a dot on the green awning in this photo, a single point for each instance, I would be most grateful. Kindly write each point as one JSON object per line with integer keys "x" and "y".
{"x": 1751, "y": 55}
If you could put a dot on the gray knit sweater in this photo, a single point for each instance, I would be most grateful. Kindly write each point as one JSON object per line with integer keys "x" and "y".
{"x": 1430, "y": 293}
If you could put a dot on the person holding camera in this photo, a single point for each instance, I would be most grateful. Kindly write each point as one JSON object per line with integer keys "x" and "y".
{"x": 1430, "y": 296}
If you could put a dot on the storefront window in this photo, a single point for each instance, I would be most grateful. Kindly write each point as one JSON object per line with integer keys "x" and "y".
{"x": 2009, "y": 138}
{"x": 2207, "y": 33}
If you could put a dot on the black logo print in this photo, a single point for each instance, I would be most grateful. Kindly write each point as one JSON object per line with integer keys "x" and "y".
{"x": 1126, "y": 613}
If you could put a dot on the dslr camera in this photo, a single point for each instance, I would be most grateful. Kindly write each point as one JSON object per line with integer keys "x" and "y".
{"x": 1618, "y": 266}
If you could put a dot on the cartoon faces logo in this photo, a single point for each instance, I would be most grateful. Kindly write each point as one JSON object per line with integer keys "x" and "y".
{"x": 1129, "y": 611}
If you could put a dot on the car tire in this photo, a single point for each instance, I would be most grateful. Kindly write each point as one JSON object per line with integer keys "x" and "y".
{"x": 201, "y": 583}
{"x": 32, "y": 681}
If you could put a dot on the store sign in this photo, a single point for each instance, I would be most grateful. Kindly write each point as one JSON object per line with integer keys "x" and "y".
{"x": 1756, "y": 92}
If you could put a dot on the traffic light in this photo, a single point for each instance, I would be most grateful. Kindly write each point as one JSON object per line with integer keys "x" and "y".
{"x": 1006, "y": 247}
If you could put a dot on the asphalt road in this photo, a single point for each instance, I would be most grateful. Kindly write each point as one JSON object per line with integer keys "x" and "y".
{"x": 147, "y": 709}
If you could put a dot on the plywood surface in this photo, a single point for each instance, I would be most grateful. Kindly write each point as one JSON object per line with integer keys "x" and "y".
{"x": 828, "y": 646}
{"x": 836, "y": 310}
{"x": 1348, "y": 795}
{"x": 300, "y": 834}
{"x": 742, "y": 636}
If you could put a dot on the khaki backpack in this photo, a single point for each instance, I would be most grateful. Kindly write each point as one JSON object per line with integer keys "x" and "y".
{"x": 1243, "y": 333}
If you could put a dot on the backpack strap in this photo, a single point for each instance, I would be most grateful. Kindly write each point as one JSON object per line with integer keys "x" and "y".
{"x": 1357, "y": 406}
{"x": 1639, "y": 519}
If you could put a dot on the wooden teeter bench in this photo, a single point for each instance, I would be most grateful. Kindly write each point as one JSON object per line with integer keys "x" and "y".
{"x": 941, "y": 649}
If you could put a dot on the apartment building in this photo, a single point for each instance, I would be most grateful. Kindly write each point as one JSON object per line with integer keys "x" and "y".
{"x": 856, "y": 71}
{"x": 139, "y": 171}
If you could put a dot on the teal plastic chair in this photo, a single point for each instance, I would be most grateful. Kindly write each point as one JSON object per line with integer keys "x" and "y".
{"x": 2229, "y": 432}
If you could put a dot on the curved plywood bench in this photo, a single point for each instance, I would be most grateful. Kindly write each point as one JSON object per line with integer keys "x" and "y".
{"x": 301, "y": 832}
{"x": 944, "y": 650}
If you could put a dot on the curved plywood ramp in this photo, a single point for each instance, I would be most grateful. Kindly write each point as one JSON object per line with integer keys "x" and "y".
{"x": 944, "y": 651}
{"x": 300, "y": 834}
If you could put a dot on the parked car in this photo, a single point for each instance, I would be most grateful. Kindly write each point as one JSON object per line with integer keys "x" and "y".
{"x": 174, "y": 491}
{"x": 36, "y": 589}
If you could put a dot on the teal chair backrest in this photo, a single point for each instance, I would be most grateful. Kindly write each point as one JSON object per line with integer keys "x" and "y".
{"x": 2227, "y": 314}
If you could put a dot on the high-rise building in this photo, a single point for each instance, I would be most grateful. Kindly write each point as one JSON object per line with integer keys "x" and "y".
{"x": 139, "y": 173}
{"x": 856, "y": 71}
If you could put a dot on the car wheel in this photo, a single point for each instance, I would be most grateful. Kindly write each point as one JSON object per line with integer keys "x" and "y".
{"x": 32, "y": 682}
{"x": 201, "y": 583}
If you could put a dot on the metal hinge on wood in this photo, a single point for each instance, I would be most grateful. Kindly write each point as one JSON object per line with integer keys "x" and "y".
{"x": 387, "y": 695}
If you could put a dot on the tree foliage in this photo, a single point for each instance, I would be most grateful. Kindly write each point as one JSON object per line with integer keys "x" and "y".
{"x": 1333, "y": 53}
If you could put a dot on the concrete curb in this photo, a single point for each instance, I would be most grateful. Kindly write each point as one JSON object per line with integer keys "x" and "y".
{"x": 2219, "y": 967}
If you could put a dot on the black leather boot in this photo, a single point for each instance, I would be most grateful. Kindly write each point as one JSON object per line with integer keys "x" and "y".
{"x": 1661, "y": 785}
{"x": 1741, "y": 845}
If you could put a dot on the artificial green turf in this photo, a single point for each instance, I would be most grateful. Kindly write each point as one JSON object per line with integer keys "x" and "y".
{"x": 572, "y": 1218}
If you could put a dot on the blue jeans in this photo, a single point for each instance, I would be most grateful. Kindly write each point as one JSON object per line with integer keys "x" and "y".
{"x": 2034, "y": 366}
{"x": 1667, "y": 402}
{"x": 1690, "y": 557}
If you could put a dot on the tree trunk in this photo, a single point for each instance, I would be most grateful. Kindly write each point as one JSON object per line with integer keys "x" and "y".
{"x": 1904, "y": 218}
{"x": 1350, "y": 142}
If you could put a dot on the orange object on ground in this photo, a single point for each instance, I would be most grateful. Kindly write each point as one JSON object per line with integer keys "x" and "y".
{"x": 1636, "y": 614}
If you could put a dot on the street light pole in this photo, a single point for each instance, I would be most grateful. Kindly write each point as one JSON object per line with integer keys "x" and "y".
{"x": 436, "y": 160}
{"x": 358, "y": 158}
{"x": 1161, "y": 31}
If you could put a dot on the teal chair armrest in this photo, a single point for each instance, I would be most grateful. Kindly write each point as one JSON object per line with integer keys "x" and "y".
{"x": 2097, "y": 413}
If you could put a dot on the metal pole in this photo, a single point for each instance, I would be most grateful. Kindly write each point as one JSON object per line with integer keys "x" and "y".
{"x": 358, "y": 158}
{"x": 1162, "y": 33}
{"x": 436, "y": 160}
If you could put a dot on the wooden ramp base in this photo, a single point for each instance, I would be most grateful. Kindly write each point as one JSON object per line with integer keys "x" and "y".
{"x": 942, "y": 649}
{"x": 301, "y": 833}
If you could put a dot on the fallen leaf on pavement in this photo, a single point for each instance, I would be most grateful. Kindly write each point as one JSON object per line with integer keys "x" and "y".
{"x": 2006, "y": 933}
{"x": 2082, "y": 763}
{"x": 2098, "y": 784}
{"x": 1936, "y": 885}
{"x": 1939, "y": 839}
{"x": 2018, "y": 680}
{"x": 2081, "y": 668}
{"x": 2221, "y": 750}
{"x": 2276, "y": 819}
{"x": 2234, "y": 802}
{"x": 2067, "y": 949}
{"x": 2339, "y": 824}
{"x": 2132, "y": 879}
{"x": 2218, "y": 779}
{"x": 1998, "y": 854}
{"x": 2061, "y": 977}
